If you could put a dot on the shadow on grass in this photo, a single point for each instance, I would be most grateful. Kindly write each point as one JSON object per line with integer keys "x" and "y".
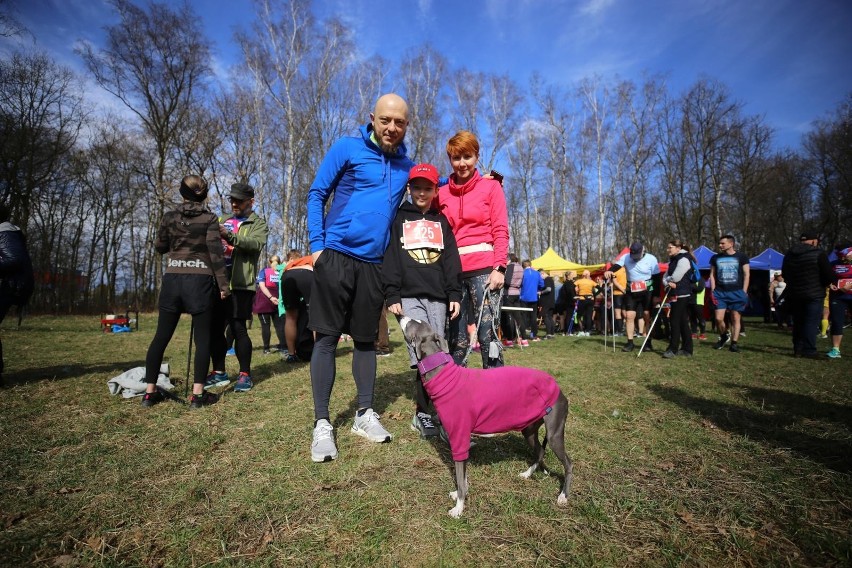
{"x": 69, "y": 371}
{"x": 798, "y": 405}
{"x": 776, "y": 426}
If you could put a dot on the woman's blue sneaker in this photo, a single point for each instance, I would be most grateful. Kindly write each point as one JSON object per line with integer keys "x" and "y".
{"x": 215, "y": 380}
{"x": 244, "y": 383}
{"x": 834, "y": 353}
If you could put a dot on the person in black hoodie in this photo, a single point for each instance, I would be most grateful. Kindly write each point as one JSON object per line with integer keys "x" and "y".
{"x": 195, "y": 277}
{"x": 16, "y": 270}
{"x": 808, "y": 273}
{"x": 421, "y": 273}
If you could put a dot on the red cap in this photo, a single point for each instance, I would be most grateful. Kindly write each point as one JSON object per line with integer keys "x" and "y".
{"x": 425, "y": 171}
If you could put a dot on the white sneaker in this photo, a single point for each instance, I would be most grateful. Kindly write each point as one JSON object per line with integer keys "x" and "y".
{"x": 368, "y": 426}
{"x": 322, "y": 447}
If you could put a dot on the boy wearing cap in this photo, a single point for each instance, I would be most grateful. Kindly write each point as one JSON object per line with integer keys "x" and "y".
{"x": 243, "y": 235}
{"x": 421, "y": 272}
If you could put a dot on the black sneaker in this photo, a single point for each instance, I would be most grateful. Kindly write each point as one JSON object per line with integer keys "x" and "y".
{"x": 669, "y": 354}
{"x": 723, "y": 339}
{"x": 290, "y": 358}
{"x": 629, "y": 347}
{"x": 683, "y": 353}
{"x": 734, "y": 348}
{"x": 152, "y": 398}
{"x": 422, "y": 422}
{"x": 649, "y": 347}
{"x": 206, "y": 399}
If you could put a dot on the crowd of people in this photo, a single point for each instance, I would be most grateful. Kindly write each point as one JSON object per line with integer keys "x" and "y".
{"x": 442, "y": 256}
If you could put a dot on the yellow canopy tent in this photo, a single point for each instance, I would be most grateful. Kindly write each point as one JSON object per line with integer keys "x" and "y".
{"x": 552, "y": 263}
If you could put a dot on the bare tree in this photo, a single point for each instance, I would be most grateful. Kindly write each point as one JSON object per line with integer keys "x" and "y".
{"x": 41, "y": 114}
{"x": 301, "y": 67}
{"x": 155, "y": 62}
{"x": 829, "y": 152}
{"x": 423, "y": 74}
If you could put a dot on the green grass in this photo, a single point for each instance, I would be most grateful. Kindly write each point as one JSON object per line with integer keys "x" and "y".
{"x": 721, "y": 460}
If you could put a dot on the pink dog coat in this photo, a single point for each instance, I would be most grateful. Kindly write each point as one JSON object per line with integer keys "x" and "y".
{"x": 501, "y": 399}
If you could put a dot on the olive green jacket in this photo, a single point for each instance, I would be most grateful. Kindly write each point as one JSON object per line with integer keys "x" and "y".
{"x": 247, "y": 242}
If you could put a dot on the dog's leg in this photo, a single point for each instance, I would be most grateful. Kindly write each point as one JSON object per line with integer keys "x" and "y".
{"x": 461, "y": 489}
{"x": 530, "y": 433}
{"x": 554, "y": 424}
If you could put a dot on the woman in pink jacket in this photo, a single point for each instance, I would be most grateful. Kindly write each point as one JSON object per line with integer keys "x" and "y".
{"x": 476, "y": 209}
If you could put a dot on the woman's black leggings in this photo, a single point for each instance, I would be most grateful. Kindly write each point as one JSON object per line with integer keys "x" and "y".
{"x": 266, "y": 322}
{"x": 166, "y": 325}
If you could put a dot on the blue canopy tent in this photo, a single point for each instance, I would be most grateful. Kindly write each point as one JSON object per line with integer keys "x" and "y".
{"x": 702, "y": 257}
{"x": 770, "y": 259}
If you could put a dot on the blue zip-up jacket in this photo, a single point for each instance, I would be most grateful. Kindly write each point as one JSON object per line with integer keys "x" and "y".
{"x": 368, "y": 187}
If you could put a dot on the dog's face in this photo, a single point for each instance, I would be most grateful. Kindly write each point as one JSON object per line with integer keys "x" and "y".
{"x": 422, "y": 338}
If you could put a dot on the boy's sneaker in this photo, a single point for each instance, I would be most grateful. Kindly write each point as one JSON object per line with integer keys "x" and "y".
{"x": 206, "y": 399}
{"x": 723, "y": 339}
{"x": 368, "y": 426}
{"x": 669, "y": 354}
{"x": 629, "y": 347}
{"x": 152, "y": 398}
{"x": 231, "y": 352}
{"x": 683, "y": 353}
{"x": 834, "y": 353}
{"x": 322, "y": 446}
{"x": 422, "y": 422}
{"x": 216, "y": 380}
{"x": 244, "y": 383}
{"x": 734, "y": 348}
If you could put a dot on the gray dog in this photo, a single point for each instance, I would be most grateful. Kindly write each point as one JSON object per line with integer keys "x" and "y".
{"x": 490, "y": 401}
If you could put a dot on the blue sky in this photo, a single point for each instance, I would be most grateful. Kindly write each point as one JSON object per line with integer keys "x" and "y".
{"x": 788, "y": 60}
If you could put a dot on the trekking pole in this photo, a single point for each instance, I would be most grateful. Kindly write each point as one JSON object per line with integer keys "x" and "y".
{"x": 574, "y": 313}
{"x": 605, "y": 322}
{"x": 612, "y": 311}
{"x": 171, "y": 396}
{"x": 188, "y": 358}
{"x": 651, "y": 328}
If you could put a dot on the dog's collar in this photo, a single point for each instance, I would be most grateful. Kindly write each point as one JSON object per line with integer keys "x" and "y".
{"x": 433, "y": 361}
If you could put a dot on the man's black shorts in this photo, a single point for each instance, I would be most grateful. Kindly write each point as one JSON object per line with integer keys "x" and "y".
{"x": 187, "y": 293}
{"x": 637, "y": 301}
{"x": 346, "y": 297}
